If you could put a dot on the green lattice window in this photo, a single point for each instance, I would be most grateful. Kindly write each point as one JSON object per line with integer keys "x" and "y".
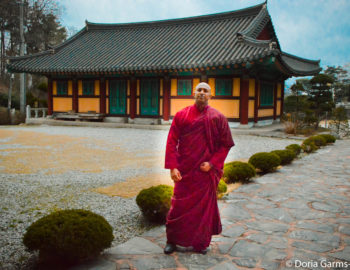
{"x": 223, "y": 87}
{"x": 184, "y": 87}
{"x": 88, "y": 88}
{"x": 266, "y": 94}
{"x": 62, "y": 88}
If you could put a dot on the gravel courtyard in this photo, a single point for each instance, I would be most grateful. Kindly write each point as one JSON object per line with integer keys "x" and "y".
{"x": 45, "y": 168}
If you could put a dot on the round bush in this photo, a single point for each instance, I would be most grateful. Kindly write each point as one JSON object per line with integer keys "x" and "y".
{"x": 265, "y": 162}
{"x": 238, "y": 171}
{"x": 296, "y": 148}
{"x": 309, "y": 146}
{"x": 328, "y": 137}
{"x": 317, "y": 140}
{"x": 155, "y": 202}
{"x": 286, "y": 156}
{"x": 70, "y": 235}
{"x": 222, "y": 187}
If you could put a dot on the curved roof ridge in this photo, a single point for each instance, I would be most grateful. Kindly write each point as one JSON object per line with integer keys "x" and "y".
{"x": 299, "y": 66}
{"x": 201, "y": 18}
{"x": 258, "y": 23}
{"x": 255, "y": 42}
{"x": 301, "y": 58}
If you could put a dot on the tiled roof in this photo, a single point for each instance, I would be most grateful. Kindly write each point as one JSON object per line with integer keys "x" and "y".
{"x": 197, "y": 42}
{"x": 299, "y": 66}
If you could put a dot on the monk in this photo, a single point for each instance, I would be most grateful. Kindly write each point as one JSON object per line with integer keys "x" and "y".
{"x": 198, "y": 143}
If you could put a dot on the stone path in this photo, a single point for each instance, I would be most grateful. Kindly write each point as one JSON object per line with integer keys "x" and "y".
{"x": 295, "y": 218}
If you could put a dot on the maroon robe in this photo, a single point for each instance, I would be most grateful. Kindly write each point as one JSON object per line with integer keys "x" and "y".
{"x": 195, "y": 137}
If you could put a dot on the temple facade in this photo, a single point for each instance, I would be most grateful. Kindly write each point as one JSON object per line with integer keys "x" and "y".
{"x": 146, "y": 72}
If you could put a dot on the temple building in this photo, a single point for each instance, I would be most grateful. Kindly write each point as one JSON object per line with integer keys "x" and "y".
{"x": 145, "y": 72}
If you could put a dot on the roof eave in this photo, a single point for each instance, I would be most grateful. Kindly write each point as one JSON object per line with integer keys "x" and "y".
{"x": 292, "y": 72}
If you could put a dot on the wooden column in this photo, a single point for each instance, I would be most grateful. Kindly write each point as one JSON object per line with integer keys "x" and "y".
{"x": 204, "y": 77}
{"x": 133, "y": 89}
{"x": 243, "y": 103}
{"x": 256, "y": 100}
{"x": 274, "y": 100}
{"x": 75, "y": 95}
{"x": 282, "y": 98}
{"x": 102, "y": 95}
{"x": 49, "y": 97}
{"x": 166, "y": 98}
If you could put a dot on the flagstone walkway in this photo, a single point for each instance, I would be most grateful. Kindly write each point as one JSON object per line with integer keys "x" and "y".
{"x": 295, "y": 218}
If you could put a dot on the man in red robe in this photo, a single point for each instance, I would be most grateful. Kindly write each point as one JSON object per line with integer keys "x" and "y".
{"x": 198, "y": 143}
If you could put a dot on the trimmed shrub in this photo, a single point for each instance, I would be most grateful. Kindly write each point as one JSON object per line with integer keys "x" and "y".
{"x": 265, "y": 162}
{"x": 296, "y": 148}
{"x": 286, "y": 156}
{"x": 222, "y": 187}
{"x": 309, "y": 146}
{"x": 238, "y": 171}
{"x": 328, "y": 137}
{"x": 155, "y": 202}
{"x": 319, "y": 140}
{"x": 69, "y": 235}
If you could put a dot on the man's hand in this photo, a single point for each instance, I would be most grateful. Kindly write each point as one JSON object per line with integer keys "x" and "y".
{"x": 205, "y": 166}
{"x": 175, "y": 175}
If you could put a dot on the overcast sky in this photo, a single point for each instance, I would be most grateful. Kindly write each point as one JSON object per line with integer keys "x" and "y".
{"x": 313, "y": 29}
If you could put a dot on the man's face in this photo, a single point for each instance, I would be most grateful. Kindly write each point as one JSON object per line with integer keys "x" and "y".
{"x": 202, "y": 95}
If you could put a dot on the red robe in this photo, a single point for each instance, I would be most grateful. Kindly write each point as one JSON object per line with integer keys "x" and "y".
{"x": 195, "y": 137}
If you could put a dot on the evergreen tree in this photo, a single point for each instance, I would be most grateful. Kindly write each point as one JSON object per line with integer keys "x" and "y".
{"x": 321, "y": 96}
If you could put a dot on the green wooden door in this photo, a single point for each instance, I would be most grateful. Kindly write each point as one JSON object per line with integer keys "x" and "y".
{"x": 149, "y": 98}
{"x": 117, "y": 97}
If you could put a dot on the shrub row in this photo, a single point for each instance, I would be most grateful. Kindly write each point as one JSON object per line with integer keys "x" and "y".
{"x": 313, "y": 143}
{"x": 75, "y": 235}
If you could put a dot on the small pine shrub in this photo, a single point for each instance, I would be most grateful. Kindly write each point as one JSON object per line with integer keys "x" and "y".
{"x": 286, "y": 156}
{"x": 222, "y": 187}
{"x": 238, "y": 171}
{"x": 319, "y": 140}
{"x": 70, "y": 235}
{"x": 296, "y": 148}
{"x": 155, "y": 202}
{"x": 309, "y": 146}
{"x": 265, "y": 162}
{"x": 328, "y": 137}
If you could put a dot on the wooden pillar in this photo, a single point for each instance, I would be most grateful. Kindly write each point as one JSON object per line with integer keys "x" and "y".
{"x": 204, "y": 77}
{"x": 133, "y": 89}
{"x": 75, "y": 95}
{"x": 102, "y": 95}
{"x": 243, "y": 103}
{"x": 256, "y": 100}
{"x": 274, "y": 100}
{"x": 166, "y": 98}
{"x": 282, "y": 98}
{"x": 49, "y": 97}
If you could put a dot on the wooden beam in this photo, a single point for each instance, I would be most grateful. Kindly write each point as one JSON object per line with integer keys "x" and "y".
{"x": 256, "y": 100}
{"x": 274, "y": 100}
{"x": 133, "y": 89}
{"x": 102, "y": 95}
{"x": 244, "y": 101}
{"x": 75, "y": 95}
{"x": 49, "y": 97}
{"x": 166, "y": 98}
